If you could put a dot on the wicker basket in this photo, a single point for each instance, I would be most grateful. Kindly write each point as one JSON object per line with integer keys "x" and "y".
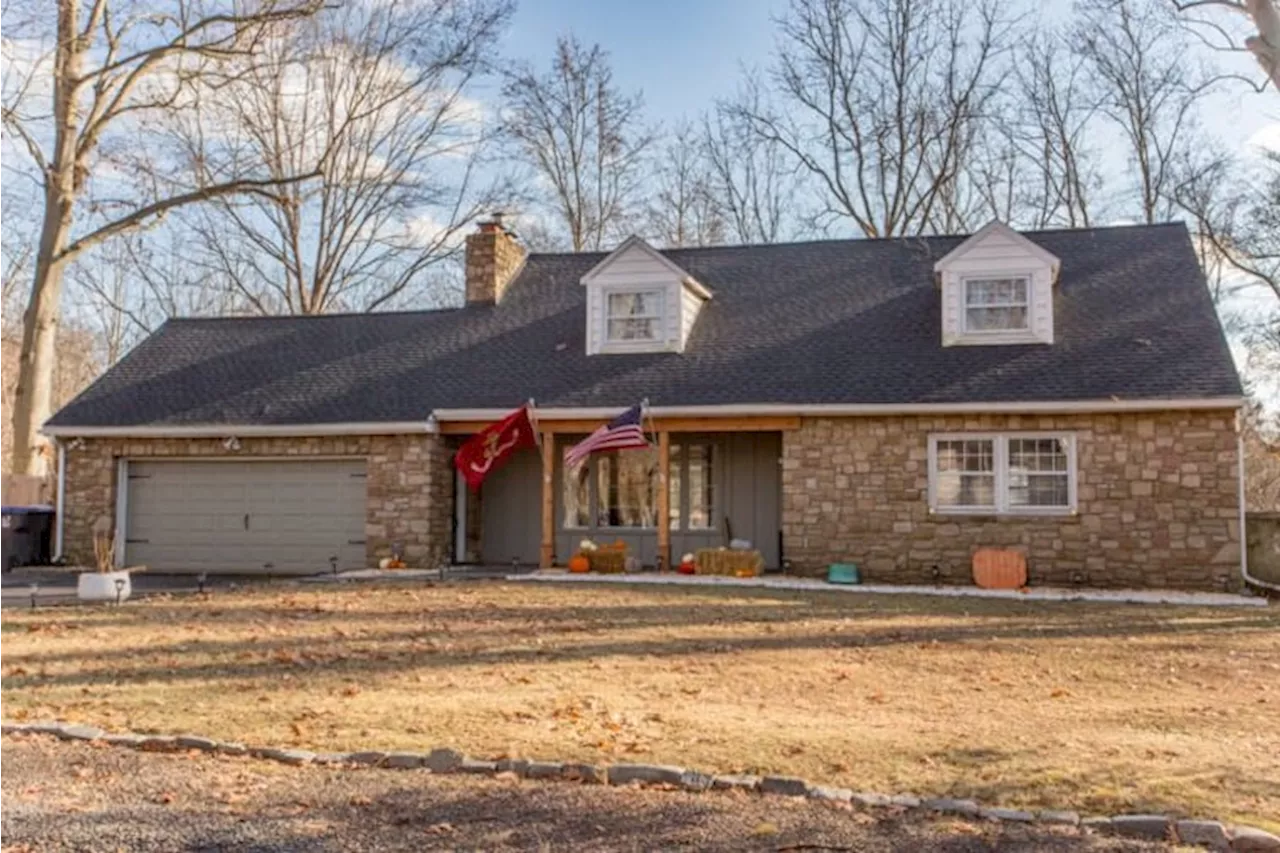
{"x": 722, "y": 561}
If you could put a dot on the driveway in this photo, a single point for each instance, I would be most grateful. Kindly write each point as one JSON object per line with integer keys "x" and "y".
{"x": 71, "y": 796}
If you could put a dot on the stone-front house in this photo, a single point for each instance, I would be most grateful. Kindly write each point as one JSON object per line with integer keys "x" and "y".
{"x": 892, "y": 403}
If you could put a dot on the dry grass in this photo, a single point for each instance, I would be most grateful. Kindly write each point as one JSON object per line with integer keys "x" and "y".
{"x": 1101, "y": 708}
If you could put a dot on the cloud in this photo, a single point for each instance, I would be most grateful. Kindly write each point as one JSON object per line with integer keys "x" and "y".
{"x": 1266, "y": 138}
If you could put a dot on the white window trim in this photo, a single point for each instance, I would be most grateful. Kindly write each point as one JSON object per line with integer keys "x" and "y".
{"x": 1027, "y": 334}
{"x": 1000, "y": 448}
{"x": 660, "y": 342}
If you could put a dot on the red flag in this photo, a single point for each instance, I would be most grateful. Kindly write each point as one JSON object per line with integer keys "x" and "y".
{"x": 493, "y": 445}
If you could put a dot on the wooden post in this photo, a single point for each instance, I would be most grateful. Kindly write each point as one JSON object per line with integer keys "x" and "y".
{"x": 548, "y": 552}
{"x": 664, "y": 501}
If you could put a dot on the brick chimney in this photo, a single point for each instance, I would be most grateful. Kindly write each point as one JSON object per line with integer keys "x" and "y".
{"x": 494, "y": 256}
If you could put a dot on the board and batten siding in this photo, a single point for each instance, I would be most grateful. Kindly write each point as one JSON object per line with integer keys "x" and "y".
{"x": 636, "y": 269}
{"x": 995, "y": 255}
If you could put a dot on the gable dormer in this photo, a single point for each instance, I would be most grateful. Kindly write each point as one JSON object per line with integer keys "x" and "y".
{"x": 997, "y": 288}
{"x": 638, "y": 300}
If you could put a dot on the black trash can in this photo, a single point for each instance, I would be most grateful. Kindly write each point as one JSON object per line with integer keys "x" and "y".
{"x": 27, "y": 535}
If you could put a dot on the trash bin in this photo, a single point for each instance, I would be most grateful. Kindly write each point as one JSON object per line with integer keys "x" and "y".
{"x": 27, "y": 535}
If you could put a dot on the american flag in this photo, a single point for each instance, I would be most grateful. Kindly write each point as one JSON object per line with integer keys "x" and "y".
{"x": 620, "y": 433}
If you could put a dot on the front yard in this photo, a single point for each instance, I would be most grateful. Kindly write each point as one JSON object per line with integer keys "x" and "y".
{"x": 1100, "y": 708}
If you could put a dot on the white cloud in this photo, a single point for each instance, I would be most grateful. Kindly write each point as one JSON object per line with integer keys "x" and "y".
{"x": 1267, "y": 138}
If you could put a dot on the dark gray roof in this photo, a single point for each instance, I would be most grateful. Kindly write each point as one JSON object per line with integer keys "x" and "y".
{"x": 847, "y": 321}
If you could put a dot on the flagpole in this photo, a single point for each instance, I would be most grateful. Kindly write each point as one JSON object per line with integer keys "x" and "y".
{"x": 533, "y": 420}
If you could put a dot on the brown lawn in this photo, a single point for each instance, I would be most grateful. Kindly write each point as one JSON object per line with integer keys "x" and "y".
{"x": 1096, "y": 707}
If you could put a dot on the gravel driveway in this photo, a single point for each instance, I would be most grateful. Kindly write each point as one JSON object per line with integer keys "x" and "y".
{"x": 71, "y": 796}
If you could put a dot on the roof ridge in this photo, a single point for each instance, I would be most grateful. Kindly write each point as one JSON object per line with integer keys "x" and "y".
{"x": 327, "y": 316}
{"x": 1178, "y": 223}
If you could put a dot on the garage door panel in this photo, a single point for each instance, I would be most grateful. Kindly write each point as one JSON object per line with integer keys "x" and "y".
{"x": 189, "y": 515}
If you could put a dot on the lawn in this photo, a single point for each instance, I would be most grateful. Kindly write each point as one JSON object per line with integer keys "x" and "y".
{"x": 1102, "y": 708}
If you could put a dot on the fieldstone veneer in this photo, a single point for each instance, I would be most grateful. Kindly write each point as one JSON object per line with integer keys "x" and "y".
{"x": 1157, "y": 500}
{"x": 408, "y": 498}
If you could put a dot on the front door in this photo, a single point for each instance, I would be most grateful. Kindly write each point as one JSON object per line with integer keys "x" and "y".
{"x": 510, "y": 519}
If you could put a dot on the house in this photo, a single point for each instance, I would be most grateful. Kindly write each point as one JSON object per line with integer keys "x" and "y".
{"x": 896, "y": 403}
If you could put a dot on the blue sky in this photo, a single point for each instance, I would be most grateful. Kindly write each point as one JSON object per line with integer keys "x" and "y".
{"x": 684, "y": 55}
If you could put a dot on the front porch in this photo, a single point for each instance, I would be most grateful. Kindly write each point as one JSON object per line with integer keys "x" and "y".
{"x": 710, "y": 480}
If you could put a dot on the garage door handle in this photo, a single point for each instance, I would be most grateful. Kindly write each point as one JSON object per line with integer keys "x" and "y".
{"x": 246, "y": 521}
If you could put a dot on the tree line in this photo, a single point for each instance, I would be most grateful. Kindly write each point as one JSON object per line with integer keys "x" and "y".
{"x": 294, "y": 156}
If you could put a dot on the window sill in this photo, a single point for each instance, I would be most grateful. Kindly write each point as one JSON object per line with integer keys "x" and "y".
{"x": 995, "y": 339}
{"x": 1010, "y": 515}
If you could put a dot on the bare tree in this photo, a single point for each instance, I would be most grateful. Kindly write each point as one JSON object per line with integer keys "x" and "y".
{"x": 752, "y": 182}
{"x": 583, "y": 137}
{"x": 111, "y": 64}
{"x": 1151, "y": 90}
{"x": 683, "y": 209}
{"x": 879, "y": 101}
{"x": 1262, "y": 16}
{"x": 1238, "y": 219}
{"x": 372, "y": 97}
{"x": 1052, "y": 120}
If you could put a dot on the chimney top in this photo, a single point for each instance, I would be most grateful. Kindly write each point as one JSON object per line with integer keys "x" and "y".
{"x": 494, "y": 222}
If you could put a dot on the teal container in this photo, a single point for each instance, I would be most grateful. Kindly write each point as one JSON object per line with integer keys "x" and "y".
{"x": 843, "y": 573}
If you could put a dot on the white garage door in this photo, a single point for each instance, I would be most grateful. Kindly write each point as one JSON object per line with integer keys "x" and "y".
{"x": 246, "y": 517}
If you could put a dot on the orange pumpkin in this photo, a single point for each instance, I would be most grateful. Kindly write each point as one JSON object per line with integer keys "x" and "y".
{"x": 579, "y": 564}
{"x": 995, "y": 568}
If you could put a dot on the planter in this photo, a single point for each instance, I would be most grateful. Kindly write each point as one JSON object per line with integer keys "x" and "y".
{"x": 104, "y": 586}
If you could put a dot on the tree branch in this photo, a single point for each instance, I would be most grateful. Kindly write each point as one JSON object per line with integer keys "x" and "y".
{"x": 159, "y": 208}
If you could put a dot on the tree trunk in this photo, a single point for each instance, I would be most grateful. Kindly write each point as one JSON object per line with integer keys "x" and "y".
{"x": 33, "y": 398}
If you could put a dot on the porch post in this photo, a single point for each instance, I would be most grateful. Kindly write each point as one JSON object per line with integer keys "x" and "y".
{"x": 664, "y": 500}
{"x": 548, "y": 552}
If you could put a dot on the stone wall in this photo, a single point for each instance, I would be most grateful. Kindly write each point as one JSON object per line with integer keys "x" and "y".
{"x": 1157, "y": 502}
{"x": 409, "y": 485}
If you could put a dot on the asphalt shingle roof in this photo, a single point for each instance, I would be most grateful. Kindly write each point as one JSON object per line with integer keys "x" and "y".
{"x": 849, "y": 321}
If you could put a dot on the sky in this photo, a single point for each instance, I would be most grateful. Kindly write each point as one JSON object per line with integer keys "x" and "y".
{"x": 684, "y": 55}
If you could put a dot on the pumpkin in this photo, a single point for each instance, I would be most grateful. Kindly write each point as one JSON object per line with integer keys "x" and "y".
{"x": 994, "y": 568}
{"x": 579, "y": 564}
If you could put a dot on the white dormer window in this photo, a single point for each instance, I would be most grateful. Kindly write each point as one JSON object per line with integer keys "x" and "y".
{"x": 996, "y": 305}
{"x": 997, "y": 288}
{"x": 639, "y": 301}
{"x": 633, "y": 316}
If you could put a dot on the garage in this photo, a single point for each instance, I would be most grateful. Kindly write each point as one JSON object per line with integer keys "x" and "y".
{"x": 245, "y": 517}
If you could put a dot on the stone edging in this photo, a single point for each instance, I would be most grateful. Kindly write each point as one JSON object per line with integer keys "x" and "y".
{"x": 1211, "y": 834}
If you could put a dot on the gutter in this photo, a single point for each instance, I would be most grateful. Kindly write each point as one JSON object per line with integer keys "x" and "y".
{"x": 862, "y": 409}
{"x": 736, "y": 410}
{"x": 1244, "y": 538}
{"x": 239, "y": 430}
{"x": 59, "y": 514}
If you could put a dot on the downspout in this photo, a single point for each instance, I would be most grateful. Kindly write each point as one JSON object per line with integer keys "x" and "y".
{"x": 1244, "y": 538}
{"x": 60, "y": 500}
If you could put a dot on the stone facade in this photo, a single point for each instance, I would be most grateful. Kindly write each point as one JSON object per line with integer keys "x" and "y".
{"x": 494, "y": 257}
{"x": 1157, "y": 502}
{"x": 409, "y": 485}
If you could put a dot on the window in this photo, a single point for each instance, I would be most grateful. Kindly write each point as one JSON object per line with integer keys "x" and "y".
{"x": 996, "y": 305}
{"x": 625, "y": 493}
{"x": 633, "y": 316}
{"x": 1002, "y": 474}
{"x": 966, "y": 473}
{"x": 701, "y": 485}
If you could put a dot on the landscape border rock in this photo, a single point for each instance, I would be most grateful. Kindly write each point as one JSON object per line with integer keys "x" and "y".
{"x": 1205, "y": 833}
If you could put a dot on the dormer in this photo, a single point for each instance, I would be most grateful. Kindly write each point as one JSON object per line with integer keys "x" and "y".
{"x": 997, "y": 288}
{"x": 638, "y": 300}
